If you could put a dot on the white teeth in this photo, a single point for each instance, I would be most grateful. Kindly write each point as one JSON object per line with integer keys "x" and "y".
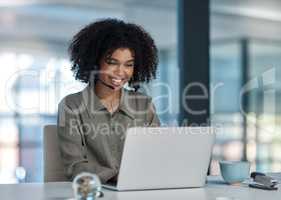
{"x": 117, "y": 80}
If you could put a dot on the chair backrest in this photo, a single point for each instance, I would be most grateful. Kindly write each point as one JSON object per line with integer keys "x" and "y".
{"x": 53, "y": 166}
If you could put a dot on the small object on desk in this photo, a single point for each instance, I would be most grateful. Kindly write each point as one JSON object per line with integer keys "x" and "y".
{"x": 234, "y": 172}
{"x": 261, "y": 181}
{"x": 263, "y": 187}
{"x": 87, "y": 186}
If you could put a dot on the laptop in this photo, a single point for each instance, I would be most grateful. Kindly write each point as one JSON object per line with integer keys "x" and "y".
{"x": 164, "y": 158}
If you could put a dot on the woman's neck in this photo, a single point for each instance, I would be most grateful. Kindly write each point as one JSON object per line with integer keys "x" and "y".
{"x": 105, "y": 93}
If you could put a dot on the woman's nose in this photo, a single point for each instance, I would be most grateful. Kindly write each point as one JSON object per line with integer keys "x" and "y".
{"x": 120, "y": 70}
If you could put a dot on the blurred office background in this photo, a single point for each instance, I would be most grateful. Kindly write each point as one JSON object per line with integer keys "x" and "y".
{"x": 35, "y": 74}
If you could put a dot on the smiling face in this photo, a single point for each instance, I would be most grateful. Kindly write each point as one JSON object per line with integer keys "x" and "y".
{"x": 118, "y": 68}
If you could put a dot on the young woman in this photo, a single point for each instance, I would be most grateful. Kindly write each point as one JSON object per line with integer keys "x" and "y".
{"x": 106, "y": 55}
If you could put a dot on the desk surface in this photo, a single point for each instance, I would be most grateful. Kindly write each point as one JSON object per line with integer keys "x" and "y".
{"x": 214, "y": 190}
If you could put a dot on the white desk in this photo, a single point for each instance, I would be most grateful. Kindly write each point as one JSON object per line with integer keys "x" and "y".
{"x": 213, "y": 191}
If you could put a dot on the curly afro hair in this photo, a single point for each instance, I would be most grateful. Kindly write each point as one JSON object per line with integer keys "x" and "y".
{"x": 102, "y": 38}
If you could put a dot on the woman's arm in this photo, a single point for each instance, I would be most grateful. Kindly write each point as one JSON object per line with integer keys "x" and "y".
{"x": 73, "y": 147}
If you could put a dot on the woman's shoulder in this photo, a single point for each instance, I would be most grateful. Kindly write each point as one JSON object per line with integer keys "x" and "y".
{"x": 138, "y": 95}
{"x": 71, "y": 100}
{"x": 142, "y": 103}
{"x": 138, "y": 100}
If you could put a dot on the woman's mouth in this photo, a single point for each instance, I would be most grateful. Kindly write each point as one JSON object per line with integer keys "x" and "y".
{"x": 117, "y": 81}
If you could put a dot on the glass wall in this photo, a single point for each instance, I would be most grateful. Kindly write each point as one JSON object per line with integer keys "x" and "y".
{"x": 259, "y": 138}
{"x": 225, "y": 86}
{"x": 31, "y": 88}
{"x": 265, "y": 68}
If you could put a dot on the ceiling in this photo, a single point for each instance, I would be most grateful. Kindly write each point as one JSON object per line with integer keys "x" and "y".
{"x": 246, "y": 18}
{"x": 55, "y": 21}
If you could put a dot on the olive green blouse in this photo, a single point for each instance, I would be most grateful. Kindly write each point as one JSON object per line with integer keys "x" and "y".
{"x": 91, "y": 139}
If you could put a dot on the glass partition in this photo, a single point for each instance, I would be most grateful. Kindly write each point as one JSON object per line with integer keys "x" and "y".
{"x": 259, "y": 138}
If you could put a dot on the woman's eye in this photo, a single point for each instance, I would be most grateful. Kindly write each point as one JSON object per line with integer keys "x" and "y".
{"x": 111, "y": 63}
{"x": 130, "y": 65}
